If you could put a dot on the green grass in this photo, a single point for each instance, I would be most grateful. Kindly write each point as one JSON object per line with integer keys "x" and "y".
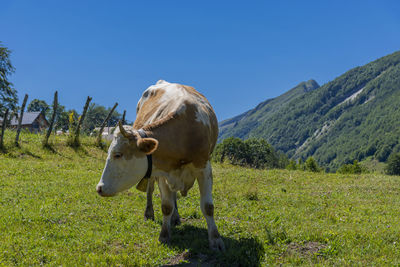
{"x": 51, "y": 215}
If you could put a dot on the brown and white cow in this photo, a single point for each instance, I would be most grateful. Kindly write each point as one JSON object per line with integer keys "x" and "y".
{"x": 181, "y": 131}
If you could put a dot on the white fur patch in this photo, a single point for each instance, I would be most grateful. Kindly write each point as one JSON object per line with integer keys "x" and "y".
{"x": 161, "y": 81}
{"x": 207, "y": 175}
{"x": 181, "y": 179}
{"x": 173, "y": 93}
{"x": 173, "y": 101}
{"x": 121, "y": 173}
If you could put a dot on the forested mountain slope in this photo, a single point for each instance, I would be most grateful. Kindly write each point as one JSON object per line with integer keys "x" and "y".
{"x": 355, "y": 116}
{"x": 241, "y": 125}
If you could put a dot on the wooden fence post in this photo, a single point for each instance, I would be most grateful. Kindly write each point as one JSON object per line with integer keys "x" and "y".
{"x": 53, "y": 117}
{"x": 123, "y": 117}
{"x": 3, "y": 128}
{"x": 21, "y": 115}
{"x": 78, "y": 127}
{"x": 98, "y": 142}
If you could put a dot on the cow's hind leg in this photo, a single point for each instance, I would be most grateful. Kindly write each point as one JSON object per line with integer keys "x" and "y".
{"x": 149, "y": 212}
{"x": 205, "y": 181}
{"x": 175, "y": 219}
{"x": 167, "y": 208}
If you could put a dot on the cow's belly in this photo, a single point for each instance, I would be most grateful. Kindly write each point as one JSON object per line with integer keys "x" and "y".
{"x": 182, "y": 179}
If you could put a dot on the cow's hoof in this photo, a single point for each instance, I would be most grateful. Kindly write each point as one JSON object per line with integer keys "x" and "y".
{"x": 164, "y": 236}
{"x": 164, "y": 239}
{"x": 175, "y": 219}
{"x": 149, "y": 215}
{"x": 217, "y": 244}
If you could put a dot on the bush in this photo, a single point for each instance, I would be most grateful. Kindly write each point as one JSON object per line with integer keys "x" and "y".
{"x": 354, "y": 168}
{"x": 311, "y": 165}
{"x": 255, "y": 153}
{"x": 291, "y": 165}
{"x": 393, "y": 164}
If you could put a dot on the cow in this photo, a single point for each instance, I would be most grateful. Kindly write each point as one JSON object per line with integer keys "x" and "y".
{"x": 148, "y": 187}
{"x": 171, "y": 141}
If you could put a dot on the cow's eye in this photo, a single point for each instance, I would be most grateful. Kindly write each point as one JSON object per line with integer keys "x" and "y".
{"x": 118, "y": 155}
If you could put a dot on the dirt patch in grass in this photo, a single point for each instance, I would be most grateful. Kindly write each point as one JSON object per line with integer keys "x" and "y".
{"x": 116, "y": 247}
{"x": 185, "y": 255}
{"x": 305, "y": 250}
{"x": 191, "y": 260}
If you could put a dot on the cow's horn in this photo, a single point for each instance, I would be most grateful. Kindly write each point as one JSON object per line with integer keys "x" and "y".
{"x": 123, "y": 131}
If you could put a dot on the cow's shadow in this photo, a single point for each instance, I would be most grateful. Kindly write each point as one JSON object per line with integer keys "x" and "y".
{"x": 194, "y": 242}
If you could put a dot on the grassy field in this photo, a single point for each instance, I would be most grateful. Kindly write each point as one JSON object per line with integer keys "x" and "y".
{"x": 51, "y": 215}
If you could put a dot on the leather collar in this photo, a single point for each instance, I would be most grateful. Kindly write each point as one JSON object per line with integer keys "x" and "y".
{"x": 143, "y": 134}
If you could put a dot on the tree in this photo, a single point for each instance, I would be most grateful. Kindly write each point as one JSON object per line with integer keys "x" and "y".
{"x": 255, "y": 153}
{"x": 37, "y": 105}
{"x": 383, "y": 153}
{"x": 261, "y": 154}
{"x": 95, "y": 116}
{"x": 393, "y": 164}
{"x": 8, "y": 94}
{"x": 311, "y": 165}
{"x": 232, "y": 150}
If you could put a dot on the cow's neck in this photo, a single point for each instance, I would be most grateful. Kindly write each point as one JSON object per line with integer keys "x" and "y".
{"x": 163, "y": 158}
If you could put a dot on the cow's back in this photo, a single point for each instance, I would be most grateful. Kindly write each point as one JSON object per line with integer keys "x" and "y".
{"x": 182, "y": 120}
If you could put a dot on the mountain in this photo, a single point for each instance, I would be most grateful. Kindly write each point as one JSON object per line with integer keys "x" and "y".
{"x": 241, "y": 125}
{"x": 354, "y": 117}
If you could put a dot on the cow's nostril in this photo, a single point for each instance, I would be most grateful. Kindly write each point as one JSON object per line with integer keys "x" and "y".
{"x": 98, "y": 189}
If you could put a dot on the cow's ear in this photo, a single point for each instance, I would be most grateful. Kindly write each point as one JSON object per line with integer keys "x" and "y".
{"x": 147, "y": 145}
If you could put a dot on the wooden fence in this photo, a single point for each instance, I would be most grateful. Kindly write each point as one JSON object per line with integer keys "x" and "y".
{"x": 74, "y": 135}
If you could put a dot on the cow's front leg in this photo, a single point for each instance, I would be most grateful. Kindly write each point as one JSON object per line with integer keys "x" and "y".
{"x": 167, "y": 208}
{"x": 205, "y": 181}
{"x": 149, "y": 212}
{"x": 175, "y": 219}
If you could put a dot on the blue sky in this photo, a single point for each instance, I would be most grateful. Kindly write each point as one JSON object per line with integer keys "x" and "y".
{"x": 237, "y": 53}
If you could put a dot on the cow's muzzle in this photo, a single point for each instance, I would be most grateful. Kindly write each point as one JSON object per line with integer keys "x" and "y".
{"x": 99, "y": 189}
{"x": 101, "y": 192}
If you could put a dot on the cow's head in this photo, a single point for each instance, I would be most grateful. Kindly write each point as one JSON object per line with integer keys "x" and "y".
{"x": 126, "y": 163}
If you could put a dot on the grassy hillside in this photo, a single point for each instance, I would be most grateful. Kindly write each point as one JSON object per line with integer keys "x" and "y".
{"x": 51, "y": 215}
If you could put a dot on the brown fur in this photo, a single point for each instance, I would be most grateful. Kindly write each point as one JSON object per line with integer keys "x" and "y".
{"x": 147, "y": 145}
{"x": 130, "y": 150}
{"x": 166, "y": 209}
{"x": 155, "y": 96}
